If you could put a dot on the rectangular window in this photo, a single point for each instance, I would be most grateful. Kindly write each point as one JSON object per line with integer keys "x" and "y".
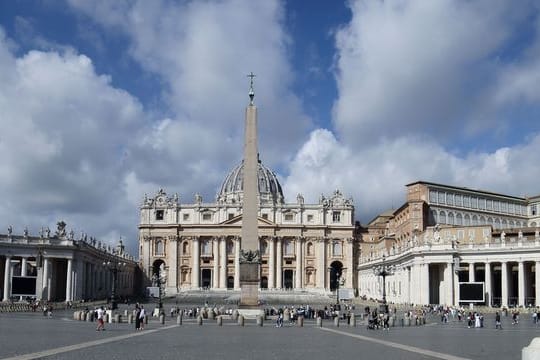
{"x": 450, "y": 199}
{"x": 159, "y": 214}
{"x": 474, "y": 203}
{"x": 534, "y": 209}
{"x": 207, "y": 216}
{"x": 289, "y": 217}
{"x": 459, "y": 200}
{"x": 441, "y": 198}
{"x": 310, "y": 218}
{"x": 489, "y": 205}
{"x": 432, "y": 196}
{"x": 471, "y": 234}
{"x": 336, "y": 216}
{"x": 496, "y": 206}
{"x": 466, "y": 202}
{"x": 185, "y": 217}
{"x": 511, "y": 208}
{"x": 460, "y": 234}
{"x": 265, "y": 216}
{"x": 504, "y": 207}
{"x": 482, "y": 204}
{"x": 231, "y": 215}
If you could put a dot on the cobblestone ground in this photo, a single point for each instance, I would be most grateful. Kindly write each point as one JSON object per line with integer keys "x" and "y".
{"x": 32, "y": 336}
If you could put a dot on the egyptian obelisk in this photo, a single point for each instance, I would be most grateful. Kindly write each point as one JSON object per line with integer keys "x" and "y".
{"x": 249, "y": 253}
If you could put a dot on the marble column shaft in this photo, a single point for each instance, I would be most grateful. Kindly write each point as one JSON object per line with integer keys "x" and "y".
{"x": 279, "y": 262}
{"x": 298, "y": 277}
{"x": 7, "y": 279}
{"x": 321, "y": 271}
{"x": 223, "y": 263}
{"x": 215, "y": 259}
{"x": 471, "y": 272}
{"x": 69, "y": 279}
{"x": 537, "y": 282}
{"x": 195, "y": 274}
{"x": 272, "y": 263}
{"x": 504, "y": 284}
{"x": 488, "y": 289}
{"x": 521, "y": 284}
{"x": 237, "y": 245}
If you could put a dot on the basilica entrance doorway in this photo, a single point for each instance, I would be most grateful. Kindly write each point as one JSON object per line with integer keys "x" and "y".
{"x": 336, "y": 271}
{"x": 206, "y": 278}
{"x": 288, "y": 279}
{"x": 230, "y": 282}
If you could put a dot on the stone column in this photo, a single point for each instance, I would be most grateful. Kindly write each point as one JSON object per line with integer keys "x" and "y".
{"x": 425, "y": 283}
{"x": 299, "y": 267}
{"x": 272, "y": 263}
{"x": 23, "y": 266}
{"x": 321, "y": 271}
{"x": 237, "y": 263}
{"x": 7, "y": 279}
{"x": 487, "y": 272}
{"x": 195, "y": 275}
{"x": 215, "y": 258}
{"x": 504, "y": 284}
{"x": 471, "y": 272}
{"x": 279, "y": 263}
{"x": 69, "y": 277}
{"x": 172, "y": 276}
{"x": 449, "y": 283}
{"x": 537, "y": 282}
{"x": 456, "y": 288}
{"x": 223, "y": 263}
{"x": 350, "y": 263}
{"x": 46, "y": 283}
{"x": 521, "y": 284}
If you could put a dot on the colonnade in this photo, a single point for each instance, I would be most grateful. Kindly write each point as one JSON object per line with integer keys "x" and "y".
{"x": 220, "y": 256}
{"x": 65, "y": 279}
{"x": 507, "y": 282}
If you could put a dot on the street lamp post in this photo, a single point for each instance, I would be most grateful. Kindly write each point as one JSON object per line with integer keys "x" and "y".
{"x": 114, "y": 267}
{"x": 383, "y": 270}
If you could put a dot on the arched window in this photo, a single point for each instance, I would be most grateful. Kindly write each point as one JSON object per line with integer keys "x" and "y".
{"x": 206, "y": 247}
{"x": 459, "y": 219}
{"x": 230, "y": 247}
{"x": 185, "y": 248}
{"x": 310, "y": 250}
{"x": 474, "y": 220}
{"x": 442, "y": 218}
{"x": 159, "y": 249}
{"x": 288, "y": 247}
{"x": 466, "y": 220}
{"x": 337, "y": 249}
{"x": 451, "y": 218}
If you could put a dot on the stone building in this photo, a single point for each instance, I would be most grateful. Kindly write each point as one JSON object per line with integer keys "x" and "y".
{"x": 59, "y": 267}
{"x": 196, "y": 245}
{"x": 443, "y": 235}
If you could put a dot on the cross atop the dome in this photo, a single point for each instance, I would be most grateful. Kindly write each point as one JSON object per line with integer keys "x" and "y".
{"x": 251, "y": 92}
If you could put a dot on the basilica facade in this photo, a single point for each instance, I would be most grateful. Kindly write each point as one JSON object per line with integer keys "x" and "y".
{"x": 196, "y": 245}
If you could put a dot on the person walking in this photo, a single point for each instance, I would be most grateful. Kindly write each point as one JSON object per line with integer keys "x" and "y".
{"x": 498, "y": 321}
{"x": 100, "y": 315}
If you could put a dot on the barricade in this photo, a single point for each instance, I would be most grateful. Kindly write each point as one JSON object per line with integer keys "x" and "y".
{"x": 240, "y": 320}
{"x": 260, "y": 320}
{"x": 220, "y": 320}
{"x": 300, "y": 321}
{"x": 162, "y": 319}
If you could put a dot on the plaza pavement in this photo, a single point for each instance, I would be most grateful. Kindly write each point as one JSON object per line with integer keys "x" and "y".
{"x": 32, "y": 336}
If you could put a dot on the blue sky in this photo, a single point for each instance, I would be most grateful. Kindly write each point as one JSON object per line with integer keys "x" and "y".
{"x": 104, "y": 101}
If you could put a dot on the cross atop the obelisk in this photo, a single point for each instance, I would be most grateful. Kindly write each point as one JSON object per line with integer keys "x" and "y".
{"x": 251, "y": 92}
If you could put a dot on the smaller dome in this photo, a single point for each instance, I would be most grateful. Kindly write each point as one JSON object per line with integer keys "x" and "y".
{"x": 232, "y": 189}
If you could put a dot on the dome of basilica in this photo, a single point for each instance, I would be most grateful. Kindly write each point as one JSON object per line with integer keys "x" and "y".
{"x": 232, "y": 189}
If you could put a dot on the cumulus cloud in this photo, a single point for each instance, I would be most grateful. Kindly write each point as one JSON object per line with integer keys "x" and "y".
{"x": 432, "y": 91}
{"x": 64, "y": 131}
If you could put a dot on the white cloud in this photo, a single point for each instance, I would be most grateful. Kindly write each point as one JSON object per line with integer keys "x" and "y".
{"x": 64, "y": 131}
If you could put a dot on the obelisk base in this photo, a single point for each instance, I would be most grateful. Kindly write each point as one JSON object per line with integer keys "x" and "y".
{"x": 249, "y": 285}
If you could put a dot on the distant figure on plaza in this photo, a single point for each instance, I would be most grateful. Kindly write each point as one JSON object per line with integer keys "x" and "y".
{"x": 100, "y": 315}
{"x": 137, "y": 317}
{"x": 142, "y": 315}
{"x": 498, "y": 321}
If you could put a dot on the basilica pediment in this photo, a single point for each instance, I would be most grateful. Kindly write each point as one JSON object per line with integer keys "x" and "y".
{"x": 237, "y": 220}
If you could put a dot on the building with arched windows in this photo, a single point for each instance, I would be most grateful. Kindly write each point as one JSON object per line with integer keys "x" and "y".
{"x": 446, "y": 235}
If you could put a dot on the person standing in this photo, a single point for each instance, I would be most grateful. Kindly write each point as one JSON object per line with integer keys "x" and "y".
{"x": 142, "y": 315}
{"x": 137, "y": 317}
{"x": 100, "y": 315}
